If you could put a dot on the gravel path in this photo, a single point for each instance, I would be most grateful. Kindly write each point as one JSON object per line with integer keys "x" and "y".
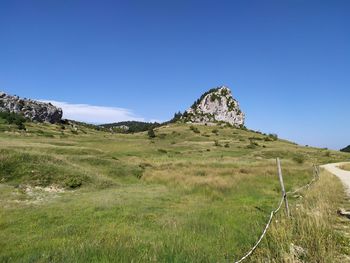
{"x": 343, "y": 175}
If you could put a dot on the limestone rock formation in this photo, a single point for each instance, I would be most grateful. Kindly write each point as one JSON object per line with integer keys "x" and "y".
{"x": 216, "y": 105}
{"x": 30, "y": 109}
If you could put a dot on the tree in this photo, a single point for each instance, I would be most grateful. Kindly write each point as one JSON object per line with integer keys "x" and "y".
{"x": 177, "y": 117}
{"x": 151, "y": 133}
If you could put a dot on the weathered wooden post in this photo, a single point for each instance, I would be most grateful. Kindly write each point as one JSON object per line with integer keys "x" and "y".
{"x": 315, "y": 172}
{"x": 284, "y": 194}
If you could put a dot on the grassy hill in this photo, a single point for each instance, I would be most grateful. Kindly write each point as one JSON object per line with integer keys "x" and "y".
{"x": 346, "y": 149}
{"x": 70, "y": 193}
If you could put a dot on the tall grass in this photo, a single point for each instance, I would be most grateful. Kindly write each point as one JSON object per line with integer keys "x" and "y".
{"x": 345, "y": 167}
{"x": 173, "y": 198}
{"x": 310, "y": 235}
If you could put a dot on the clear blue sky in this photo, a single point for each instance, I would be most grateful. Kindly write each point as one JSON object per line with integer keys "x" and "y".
{"x": 287, "y": 62}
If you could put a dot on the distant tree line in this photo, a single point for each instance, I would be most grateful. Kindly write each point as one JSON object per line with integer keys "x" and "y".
{"x": 140, "y": 126}
{"x": 134, "y": 126}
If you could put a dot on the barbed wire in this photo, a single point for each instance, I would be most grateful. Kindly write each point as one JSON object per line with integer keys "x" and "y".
{"x": 263, "y": 233}
{"x": 316, "y": 176}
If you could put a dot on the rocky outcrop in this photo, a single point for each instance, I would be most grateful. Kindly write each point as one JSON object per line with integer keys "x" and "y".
{"x": 30, "y": 109}
{"x": 216, "y": 105}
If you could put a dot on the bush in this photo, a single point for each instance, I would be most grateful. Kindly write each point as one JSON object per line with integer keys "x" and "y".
{"x": 273, "y": 136}
{"x": 216, "y": 143}
{"x": 176, "y": 118}
{"x": 151, "y": 133}
{"x": 13, "y": 118}
{"x": 162, "y": 136}
{"x": 73, "y": 182}
{"x": 252, "y": 145}
{"x": 194, "y": 129}
{"x": 299, "y": 159}
{"x": 201, "y": 173}
{"x": 20, "y": 124}
{"x": 162, "y": 151}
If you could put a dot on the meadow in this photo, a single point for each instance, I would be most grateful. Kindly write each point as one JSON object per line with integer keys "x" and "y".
{"x": 191, "y": 194}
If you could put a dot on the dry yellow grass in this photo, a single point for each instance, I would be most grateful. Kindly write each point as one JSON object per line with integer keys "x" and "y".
{"x": 345, "y": 167}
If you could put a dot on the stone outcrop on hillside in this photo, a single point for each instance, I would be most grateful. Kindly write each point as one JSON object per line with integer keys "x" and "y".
{"x": 30, "y": 109}
{"x": 216, "y": 105}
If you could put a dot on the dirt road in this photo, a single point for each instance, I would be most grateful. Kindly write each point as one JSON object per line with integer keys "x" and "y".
{"x": 343, "y": 175}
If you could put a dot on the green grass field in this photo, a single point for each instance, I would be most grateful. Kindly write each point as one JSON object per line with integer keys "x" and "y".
{"x": 185, "y": 196}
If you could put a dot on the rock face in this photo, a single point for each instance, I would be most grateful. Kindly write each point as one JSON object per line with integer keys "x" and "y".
{"x": 33, "y": 110}
{"x": 216, "y": 105}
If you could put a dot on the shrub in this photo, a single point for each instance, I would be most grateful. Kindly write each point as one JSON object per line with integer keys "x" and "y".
{"x": 20, "y": 124}
{"x": 162, "y": 136}
{"x": 242, "y": 127}
{"x": 252, "y": 145}
{"x": 176, "y": 118}
{"x": 162, "y": 151}
{"x": 273, "y": 136}
{"x": 200, "y": 173}
{"x": 227, "y": 145}
{"x": 13, "y": 118}
{"x": 215, "y": 131}
{"x": 216, "y": 143}
{"x": 151, "y": 133}
{"x": 194, "y": 129}
{"x": 73, "y": 182}
{"x": 299, "y": 159}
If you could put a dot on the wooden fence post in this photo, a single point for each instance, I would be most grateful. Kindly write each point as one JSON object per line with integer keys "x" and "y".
{"x": 284, "y": 194}
{"x": 315, "y": 172}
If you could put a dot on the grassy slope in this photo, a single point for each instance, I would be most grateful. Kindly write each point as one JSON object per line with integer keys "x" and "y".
{"x": 315, "y": 233}
{"x": 175, "y": 198}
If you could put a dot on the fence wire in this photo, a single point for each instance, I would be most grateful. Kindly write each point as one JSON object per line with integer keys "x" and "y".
{"x": 316, "y": 176}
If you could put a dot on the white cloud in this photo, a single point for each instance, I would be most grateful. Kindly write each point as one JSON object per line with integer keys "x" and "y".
{"x": 94, "y": 114}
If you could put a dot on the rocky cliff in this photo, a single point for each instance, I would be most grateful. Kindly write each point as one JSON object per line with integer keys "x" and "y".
{"x": 30, "y": 109}
{"x": 216, "y": 105}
